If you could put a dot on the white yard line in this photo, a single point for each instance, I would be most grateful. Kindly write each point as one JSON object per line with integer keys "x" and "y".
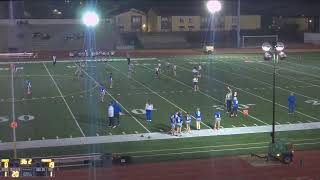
{"x": 94, "y": 80}
{"x": 206, "y": 94}
{"x": 64, "y": 100}
{"x": 155, "y": 93}
{"x": 262, "y": 82}
{"x": 155, "y": 136}
{"x": 251, "y": 94}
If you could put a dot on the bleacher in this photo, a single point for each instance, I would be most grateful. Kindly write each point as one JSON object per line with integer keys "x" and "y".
{"x": 163, "y": 40}
{"x": 58, "y": 37}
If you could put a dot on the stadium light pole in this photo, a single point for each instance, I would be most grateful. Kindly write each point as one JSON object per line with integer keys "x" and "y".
{"x": 273, "y": 52}
{"x": 213, "y": 7}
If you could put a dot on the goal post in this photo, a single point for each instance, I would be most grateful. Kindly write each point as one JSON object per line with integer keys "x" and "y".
{"x": 257, "y": 41}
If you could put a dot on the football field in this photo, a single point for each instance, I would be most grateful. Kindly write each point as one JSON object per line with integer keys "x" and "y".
{"x": 61, "y": 106}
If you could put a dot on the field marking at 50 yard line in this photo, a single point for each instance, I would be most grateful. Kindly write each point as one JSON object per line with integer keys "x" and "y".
{"x": 248, "y": 77}
{"x": 155, "y": 93}
{"x": 64, "y": 100}
{"x": 250, "y": 93}
{"x": 175, "y": 79}
{"x": 96, "y": 82}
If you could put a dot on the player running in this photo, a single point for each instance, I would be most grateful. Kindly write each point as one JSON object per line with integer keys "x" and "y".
{"x": 103, "y": 92}
{"x": 149, "y": 108}
{"x": 130, "y": 70}
{"x": 28, "y": 87}
{"x": 110, "y": 80}
{"x": 195, "y": 81}
{"x": 54, "y": 60}
{"x": 188, "y": 122}
{"x": 217, "y": 120}
{"x": 198, "y": 118}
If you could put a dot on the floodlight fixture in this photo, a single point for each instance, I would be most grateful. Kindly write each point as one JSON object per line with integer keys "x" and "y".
{"x": 279, "y": 46}
{"x": 214, "y": 6}
{"x": 266, "y": 47}
{"x": 90, "y": 19}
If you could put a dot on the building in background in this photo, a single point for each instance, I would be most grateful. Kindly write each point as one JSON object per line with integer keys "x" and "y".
{"x": 132, "y": 20}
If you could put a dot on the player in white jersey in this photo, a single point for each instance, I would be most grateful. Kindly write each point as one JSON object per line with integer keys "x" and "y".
{"x": 103, "y": 92}
{"x": 174, "y": 69}
{"x": 149, "y": 108}
{"x": 195, "y": 83}
{"x": 54, "y": 60}
{"x": 78, "y": 71}
{"x": 157, "y": 72}
{"x": 195, "y": 71}
{"x": 199, "y": 70}
{"x": 110, "y": 80}
{"x": 28, "y": 87}
{"x": 168, "y": 66}
{"x": 130, "y": 70}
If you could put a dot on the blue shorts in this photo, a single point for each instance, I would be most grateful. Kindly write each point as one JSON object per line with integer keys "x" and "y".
{"x": 172, "y": 126}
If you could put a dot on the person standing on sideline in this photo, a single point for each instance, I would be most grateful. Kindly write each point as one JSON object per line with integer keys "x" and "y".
{"x": 198, "y": 118}
{"x": 149, "y": 108}
{"x": 235, "y": 105}
{"x": 54, "y": 60}
{"x": 172, "y": 124}
{"x": 228, "y": 100}
{"x": 117, "y": 111}
{"x": 111, "y": 115}
{"x": 179, "y": 122}
{"x": 291, "y": 103}
{"x": 217, "y": 120}
{"x": 188, "y": 122}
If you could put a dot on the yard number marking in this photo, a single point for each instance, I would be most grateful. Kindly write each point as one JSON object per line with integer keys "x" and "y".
{"x": 24, "y": 118}
{"x": 313, "y": 102}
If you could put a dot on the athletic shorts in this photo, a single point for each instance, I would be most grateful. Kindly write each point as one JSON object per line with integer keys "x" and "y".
{"x": 172, "y": 126}
{"x": 217, "y": 119}
{"x": 188, "y": 122}
{"x": 198, "y": 119}
{"x": 179, "y": 124}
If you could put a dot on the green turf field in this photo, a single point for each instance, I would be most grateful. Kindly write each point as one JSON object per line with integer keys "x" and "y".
{"x": 62, "y": 106}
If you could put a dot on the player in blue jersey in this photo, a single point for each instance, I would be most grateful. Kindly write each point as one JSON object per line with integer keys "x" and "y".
{"x": 217, "y": 120}
{"x": 291, "y": 103}
{"x": 188, "y": 122}
{"x": 103, "y": 92}
{"x": 149, "y": 108}
{"x": 172, "y": 124}
{"x": 179, "y": 122}
{"x": 110, "y": 80}
{"x": 28, "y": 87}
{"x": 235, "y": 106}
{"x": 197, "y": 115}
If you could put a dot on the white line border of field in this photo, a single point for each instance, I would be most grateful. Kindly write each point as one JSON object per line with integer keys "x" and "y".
{"x": 64, "y": 100}
{"x": 155, "y": 136}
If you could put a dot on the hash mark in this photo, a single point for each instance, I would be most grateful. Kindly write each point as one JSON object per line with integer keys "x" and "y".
{"x": 299, "y": 122}
{"x": 255, "y": 124}
{"x": 277, "y": 123}
{"x": 110, "y": 134}
{"x": 288, "y": 122}
{"x": 123, "y": 133}
{"x": 160, "y": 130}
{"x": 136, "y": 132}
{"x": 97, "y": 134}
{"x": 244, "y": 125}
